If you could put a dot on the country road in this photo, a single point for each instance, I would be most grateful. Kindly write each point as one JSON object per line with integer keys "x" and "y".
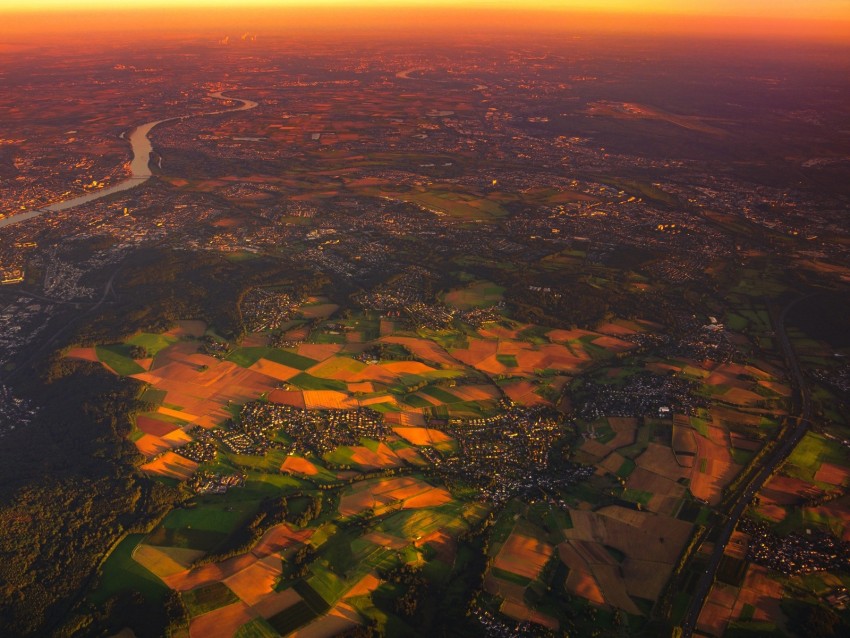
{"x": 801, "y": 406}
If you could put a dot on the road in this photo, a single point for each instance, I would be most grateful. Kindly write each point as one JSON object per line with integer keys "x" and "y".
{"x": 783, "y": 447}
{"x": 107, "y": 291}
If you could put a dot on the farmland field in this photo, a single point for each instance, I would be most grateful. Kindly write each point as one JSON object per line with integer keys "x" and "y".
{"x": 122, "y": 573}
{"x": 331, "y": 524}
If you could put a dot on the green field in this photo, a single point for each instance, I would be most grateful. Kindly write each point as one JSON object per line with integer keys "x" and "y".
{"x": 340, "y": 456}
{"x": 203, "y": 599}
{"x": 480, "y": 294}
{"x": 121, "y": 573}
{"x": 292, "y": 618}
{"x": 440, "y": 394}
{"x": 810, "y": 453}
{"x": 416, "y": 401}
{"x": 246, "y": 357}
{"x": 627, "y": 467}
{"x": 269, "y": 462}
{"x": 153, "y": 343}
{"x": 410, "y": 524}
{"x": 458, "y": 205}
{"x": 117, "y": 357}
{"x": 325, "y": 583}
{"x": 203, "y": 527}
{"x": 336, "y": 365}
{"x": 257, "y": 628}
{"x": 327, "y": 337}
{"x": 291, "y": 359}
{"x": 700, "y": 425}
{"x": 152, "y": 395}
{"x": 309, "y": 382}
{"x": 472, "y": 409}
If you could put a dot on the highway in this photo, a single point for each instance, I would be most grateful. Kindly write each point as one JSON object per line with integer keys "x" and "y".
{"x": 790, "y": 436}
{"x": 26, "y": 366}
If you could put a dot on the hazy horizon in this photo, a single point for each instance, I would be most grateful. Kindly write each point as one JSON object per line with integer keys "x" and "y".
{"x": 827, "y": 22}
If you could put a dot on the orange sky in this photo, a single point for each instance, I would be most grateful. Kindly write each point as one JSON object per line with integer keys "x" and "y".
{"x": 809, "y": 19}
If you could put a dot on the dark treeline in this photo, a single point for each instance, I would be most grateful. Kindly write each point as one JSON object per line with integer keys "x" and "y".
{"x": 69, "y": 482}
{"x": 156, "y": 287}
{"x": 70, "y": 489}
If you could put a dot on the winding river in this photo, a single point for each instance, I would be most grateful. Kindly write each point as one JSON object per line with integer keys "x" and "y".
{"x": 140, "y": 170}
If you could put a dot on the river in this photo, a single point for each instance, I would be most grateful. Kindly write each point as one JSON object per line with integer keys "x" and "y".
{"x": 140, "y": 170}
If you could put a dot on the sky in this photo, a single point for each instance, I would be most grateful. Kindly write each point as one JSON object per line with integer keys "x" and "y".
{"x": 826, "y": 19}
{"x": 803, "y": 9}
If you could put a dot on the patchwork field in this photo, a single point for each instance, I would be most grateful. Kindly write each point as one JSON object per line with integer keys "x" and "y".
{"x": 405, "y": 493}
{"x": 650, "y": 543}
{"x": 351, "y": 523}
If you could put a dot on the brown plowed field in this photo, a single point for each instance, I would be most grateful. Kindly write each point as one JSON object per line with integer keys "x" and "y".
{"x": 171, "y": 465}
{"x": 833, "y": 474}
{"x": 381, "y": 492}
{"x": 254, "y": 582}
{"x": 422, "y": 436}
{"x": 523, "y": 555}
{"x": 221, "y": 623}
{"x": 150, "y": 425}
{"x": 274, "y": 370}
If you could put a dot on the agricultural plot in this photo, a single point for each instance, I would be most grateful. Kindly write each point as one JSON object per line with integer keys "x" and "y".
{"x": 156, "y": 424}
{"x": 202, "y": 527}
{"x": 118, "y": 359}
{"x": 152, "y": 343}
{"x": 454, "y": 204}
{"x": 714, "y": 467}
{"x": 413, "y": 520}
{"x": 223, "y": 622}
{"x": 273, "y": 369}
{"x": 337, "y": 368}
{"x": 171, "y": 465}
{"x": 523, "y": 554}
{"x": 817, "y": 470}
{"x": 684, "y": 442}
{"x": 207, "y": 598}
{"x": 523, "y": 392}
{"x": 811, "y": 453}
{"x": 120, "y": 573}
{"x": 371, "y": 457}
{"x": 756, "y": 600}
{"x": 379, "y": 494}
{"x": 479, "y": 294}
{"x": 650, "y": 544}
{"x": 426, "y": 436}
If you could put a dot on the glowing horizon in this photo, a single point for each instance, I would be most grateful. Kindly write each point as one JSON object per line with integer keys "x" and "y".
{"x": 810, "y": 10}
{"x": 757, "y": 19}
